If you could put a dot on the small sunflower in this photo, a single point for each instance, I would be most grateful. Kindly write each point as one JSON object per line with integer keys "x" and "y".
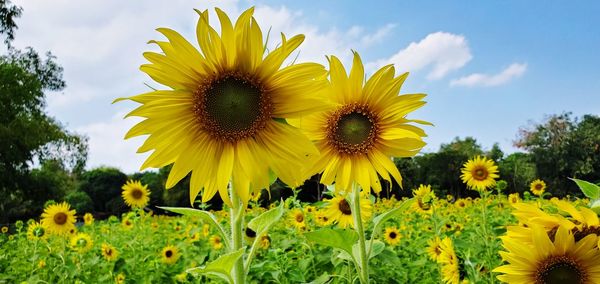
{"x": 392, "y": 236}
{"x": 363, "y": 127}
{"x": 460, "y": 203}
{"x": 265, "y": 242}
{"x": 205, "y": 230}
{"x": 127, "y": 223}
{"x": 120, "y": 279}
{"x": 479, "y": 173}
{"x": 321, "y": 219}
{"x": 562, "y": 260}
{"x": 35, "y": 231}
{"x": 339, "y": 211}
{"x": 537, "y": 187}
{"x": 434, "y": 248}
{"x": 41, "y": 264}
{"x": 216, "y": 242}
{"x": 297, "y": 218}
{"x": 309, "y": 209}
{"x": 170, "y": 254}
{"x": 226, "y": 105}
{"x": 424, "y": 198}
{"x": 135, "y": 194}
{"x": 109, "y": 252}
{"x": 514, "y": 198}
{"x": 81, "y": 242}
{"x": 88, "y": 219}
{"x": 58, "y": 218}
{"x": 4, "y": 229}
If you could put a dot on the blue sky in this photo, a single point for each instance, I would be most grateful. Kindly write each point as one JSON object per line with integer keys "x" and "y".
{"x": 488, "y": 67}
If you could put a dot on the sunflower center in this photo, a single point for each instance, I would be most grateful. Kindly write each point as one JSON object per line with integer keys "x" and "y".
{"x": 137, "y": 194}
{"x": 560, "y": 269}
{"x": 538, "y": 186}
{"x": 169, "y": 253}
{"x": 232, "y": 107}
{"x": 423, "y": 205}
{"x": 299, "y": 218}
{"x": 393, "y": 235}
{"x": 344, "y": 206}
{"x": 480, "y": 174}
{"x": 109, "y": 252}
{"x": 60, "y": 218}
{"x": 352, "y": 129}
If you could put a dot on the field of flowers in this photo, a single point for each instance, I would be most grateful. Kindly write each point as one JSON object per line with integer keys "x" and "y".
{"x": 410, "y": 246}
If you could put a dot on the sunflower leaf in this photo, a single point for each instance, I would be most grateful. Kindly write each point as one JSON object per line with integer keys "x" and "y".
{"x": 264, "y": 221}
{"x": 221, "y": 267}
{"x": 381, "y": 218}
{"x": 205, "y": 216}
{"x": 589, "y": 189}
{"x": 337, "y": 238}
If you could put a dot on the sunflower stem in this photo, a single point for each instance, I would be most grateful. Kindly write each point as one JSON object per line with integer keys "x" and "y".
{"x": 363, "y": 270}
{"x": 237, "y": 217}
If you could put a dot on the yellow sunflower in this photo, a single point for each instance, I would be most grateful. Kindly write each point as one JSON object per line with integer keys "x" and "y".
{"x": 537, "y": 187}
{"x": 449, "y": 261}
{"x": 479, "y": 173}
{"x": 120, "y": 279}
{"x": 364, "y": 126}
{"x": 392, "y": 236}
{"x": 81, "y": 242}
{"x": 216, "y": 242}
{"x": 127, "y": 223}
{"x": 434, "y": 248}
{"x": 4, "y": 229}
{"x": 265, "y": 242}
{"x": 460, "y": 203}
{"x": 205, "y": 230}
{"x": 58, "y": 218}
{"x": 226, "y": 107}
{"x": 321, "y": 218}
{"x": 88, "y": 219}
{"x": 170, "y": 254}
{"x": 514, "y": 198}
{"x": 339, "y": 210}
{"x": 109, "y": 252}
{"x": 297, "y": 218}
{"x": 562, "y": 260}
{"x": 424, "y": 198}
{"x": 135, "y": 194}
{"x": 35, "y": 231}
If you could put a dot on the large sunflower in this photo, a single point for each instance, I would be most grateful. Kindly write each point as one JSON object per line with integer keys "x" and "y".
{"x": 58, "y": 218}
{"x": 363, "y": 128}
{"x": 479, "y": 173}
{"x": 339, "y": 210}
{"x": 560, "y": 261}
{"x": 223, "y": 118}
{"x": 135, "y": 194}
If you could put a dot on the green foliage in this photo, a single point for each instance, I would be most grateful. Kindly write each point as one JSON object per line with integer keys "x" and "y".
{"x": 80, "y": 201}
{"x": 8, "y": 13}
{"x": 103, "y": 185}
{"x": 518, "y": 170}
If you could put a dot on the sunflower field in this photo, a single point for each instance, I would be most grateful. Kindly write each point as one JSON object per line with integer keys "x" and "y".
{"x": 233, "y": 118}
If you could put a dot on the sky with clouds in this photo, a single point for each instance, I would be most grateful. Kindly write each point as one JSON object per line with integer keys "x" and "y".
{"x": 488, "y": 67}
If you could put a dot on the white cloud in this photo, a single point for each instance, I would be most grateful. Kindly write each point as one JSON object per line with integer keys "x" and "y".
{"x": 441, "y": 52}
{"x": 513, "y": 71}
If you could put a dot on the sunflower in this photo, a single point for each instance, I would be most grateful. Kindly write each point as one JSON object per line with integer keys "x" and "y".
{"x": 127, "y": 223}
{"x": 88, "y": 219}
{"x": 479, "y": 173}
{"x": 460, "y": 203}
{"x": 392, "y": 236}
{"x": 424, "y": 198}
{"x": 109, "y": 252}
{"x": 58, "y": 218}
{"x": 339, "y": 210}
{"x": 4, "y": 229}
{"x": 297, "y": 218}
{"x": 537, "y": 187}
{"x": 321, "y": 219}
{"x": 135, "y": 194}
{"x": 265, "y": 242}
{"x": 41, "y": 264}
{"x": 120, "y": 279}
{"x": 363, "y": 127}
{"x": 514, "y": 198}
{"x": 35, "y": 231}
{"x": 81, "y": 242}
{"x": 560, "y": 261}
{"x": 170, "y": 254}
{"x": 450, "y": 263}
{"x": 216, "y": 242}
{"x": 226, "y": 107}
{"x": 205, "y": 230}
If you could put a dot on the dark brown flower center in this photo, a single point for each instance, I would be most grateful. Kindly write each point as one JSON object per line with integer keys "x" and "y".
{"x": 232, "y": 106}
{"x": 137, "y": 193}
{"x": 393, "y": 235}
{"x": 344, "y": 206}
{"x": 108, "y": 251}
{"x": 60, "y": 218}
{"x": 299, "y": 218}
{"x": 538, "y": 186}
{"x": 560, "y": 269}
{"x": 169, "y": 253}
{"x": 480, "y": 173}
{"x": 425, "y": 206}
{"x": 352, "y": 129}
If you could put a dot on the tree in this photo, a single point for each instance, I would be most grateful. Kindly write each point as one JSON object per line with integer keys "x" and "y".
{"x": 103, "y": 185}
{"x": 8, "y": 14}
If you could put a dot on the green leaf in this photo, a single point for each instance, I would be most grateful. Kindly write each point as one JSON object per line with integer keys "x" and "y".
{"x": 589, "y": 189}
{"x": 205, "y": 216}
{"x": 337, "y": 238}
{"x": 221, "y": 267}
{"x": 381, "y": 218}
{"x": 324, "y": 278}
{"x": 595, "y": 205}
{"x": 266, "y": 220}
{"x": 377, "y": 247}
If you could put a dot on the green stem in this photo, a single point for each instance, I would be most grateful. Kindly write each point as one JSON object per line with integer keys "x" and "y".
{"x": 237, "y": 217}
{"x": 363, "y": 272}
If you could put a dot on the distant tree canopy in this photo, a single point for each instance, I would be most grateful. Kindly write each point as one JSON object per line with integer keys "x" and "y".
{"x": 27, "y": 134}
